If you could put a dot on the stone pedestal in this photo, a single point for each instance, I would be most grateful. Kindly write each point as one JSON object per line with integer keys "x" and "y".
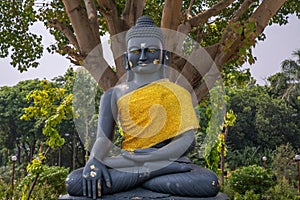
{"x": 143, "y": 194}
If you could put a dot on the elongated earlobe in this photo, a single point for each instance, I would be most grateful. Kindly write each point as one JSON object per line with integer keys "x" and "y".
{"x": 129, "y": 75}
{"x": 164, "y": 72}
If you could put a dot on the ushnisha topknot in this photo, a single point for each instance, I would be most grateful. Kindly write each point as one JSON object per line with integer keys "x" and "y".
{"x": 145, "y": 27}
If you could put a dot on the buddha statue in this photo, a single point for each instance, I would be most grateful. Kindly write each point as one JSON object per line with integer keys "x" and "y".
{"x": 159, "y": 123}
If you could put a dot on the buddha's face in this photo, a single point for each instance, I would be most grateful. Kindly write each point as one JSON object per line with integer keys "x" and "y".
{"x": 144, "y": 54}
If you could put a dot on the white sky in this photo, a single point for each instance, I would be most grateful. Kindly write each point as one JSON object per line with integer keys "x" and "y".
{"x": 280, "y": 43}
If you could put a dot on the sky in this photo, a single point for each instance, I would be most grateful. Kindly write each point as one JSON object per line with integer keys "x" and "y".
{"x": 281, "y": 41}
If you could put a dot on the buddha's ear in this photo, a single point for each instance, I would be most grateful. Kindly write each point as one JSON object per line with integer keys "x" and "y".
{"x": 166, "y": 57}
{"x": 129, "y": 74}
{"x": 126, "y": 63}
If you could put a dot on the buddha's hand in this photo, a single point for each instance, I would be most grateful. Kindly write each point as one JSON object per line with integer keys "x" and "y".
{"x": 95, "y": 173}
{"x": 140, "y": 155}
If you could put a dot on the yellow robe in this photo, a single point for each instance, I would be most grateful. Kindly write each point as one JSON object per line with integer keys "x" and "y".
{"x": 154, "y": 113}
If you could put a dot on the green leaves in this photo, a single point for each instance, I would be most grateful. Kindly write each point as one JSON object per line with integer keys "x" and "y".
{"x": 241, "y": 30}
{"x": 251, "y": 177}
{"x": 49, "y": 184}
{"x": 16, "y": 39}
{"x": 262, "y": 120}
{"x": 229, "y": 118}
{"x": 51, "y": 12}
{"x": 212, "y": 159}
{"x": 13, "y": 131}
{"x": 36, "y": 165}
{"x": 51, "y": 105}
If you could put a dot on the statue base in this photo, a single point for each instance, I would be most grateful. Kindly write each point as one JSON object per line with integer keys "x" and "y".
{"x": 143, "y": 194}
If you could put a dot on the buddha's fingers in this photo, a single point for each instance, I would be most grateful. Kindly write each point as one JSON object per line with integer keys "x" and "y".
{"x": 84, "y": 186}
{"x": 99, "y": 188}
{"x": 89, "y": 184}
{"x": 94, "y": 188}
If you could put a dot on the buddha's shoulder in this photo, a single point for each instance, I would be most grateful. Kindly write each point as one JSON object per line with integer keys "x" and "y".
{"x": 122, "y": 89}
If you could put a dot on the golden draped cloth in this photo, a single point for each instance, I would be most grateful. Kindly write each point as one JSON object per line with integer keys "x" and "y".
{"x": 154, "y": 113}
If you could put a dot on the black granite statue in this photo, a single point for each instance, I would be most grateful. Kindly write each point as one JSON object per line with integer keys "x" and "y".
{"x": 158, "y": 121}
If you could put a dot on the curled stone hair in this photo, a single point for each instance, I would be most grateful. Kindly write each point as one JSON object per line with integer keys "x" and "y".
{"x": 145, "y": 27}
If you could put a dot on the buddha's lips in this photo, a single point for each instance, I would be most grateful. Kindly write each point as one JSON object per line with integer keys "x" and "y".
{"x": 143, "y": 64}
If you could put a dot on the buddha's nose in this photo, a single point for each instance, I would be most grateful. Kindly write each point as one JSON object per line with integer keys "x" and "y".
{"x": 143, "y": 56}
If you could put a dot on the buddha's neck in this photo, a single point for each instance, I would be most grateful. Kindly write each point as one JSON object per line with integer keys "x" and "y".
{"x": 143, "y": 79}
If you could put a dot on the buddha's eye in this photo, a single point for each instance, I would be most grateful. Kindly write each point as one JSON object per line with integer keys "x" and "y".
{"x": 137, "y": 51}
{"x": 152, "y": 50}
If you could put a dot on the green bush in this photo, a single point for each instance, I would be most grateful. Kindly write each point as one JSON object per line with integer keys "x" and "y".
{"x": 227, "y": 189}
{"x": 6, "y": 191}
{"x": 281, "y": 191}
{"x": 283, "y": 165}
{"x": 248, "y": 156}
{"x": 251, "y": 177}
{"x": 50, "y": 183}
{"x": 249, "y": 195}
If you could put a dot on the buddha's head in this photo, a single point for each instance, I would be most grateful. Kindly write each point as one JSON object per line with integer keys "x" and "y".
{"x": 145, "y": 44}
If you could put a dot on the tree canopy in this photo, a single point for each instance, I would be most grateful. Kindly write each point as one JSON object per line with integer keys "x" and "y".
{"x": 262, "y": 120}
{"x": 15, "y": 132}
{"x": 226, "y": 29}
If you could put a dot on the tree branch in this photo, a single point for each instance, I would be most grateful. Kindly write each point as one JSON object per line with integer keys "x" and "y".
{"x": 126, "y": 11}
{"x": 108, "y": 9}
{"x": 262, "y": 15}
{"x": 202, "y": 61}
{"x": 91, "y": 9}
{"x": 191, "y": 74}
{"x": 73, "y": 56}
{"x": 92, "y": 16}
{"x": 81, "y": 26}
{"x": 204, "y": 16}
{"x": 200, "y": 35}
{"x": 100, "y": 69}
{"x": 266, "y": 10}
{"x": 116, "y": 27}
{"x": 55, "y": 23}
{"x": 178, "y": 62}
{"x": 209, "y": 80}
{"x": 171, "y": 14}
{"x": 242, "y": 9}
{"x": 103, "y": 75}
{"x": 189, "y": 10}
{"x": 132, "y": 11}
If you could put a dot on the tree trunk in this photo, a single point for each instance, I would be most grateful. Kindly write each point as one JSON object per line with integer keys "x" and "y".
{"x": 81, "y": 25}
{"x": 26, "y": 153}
{"x": 31, "y": 150}
{"x": 223, "y": 156}
{"x": 19, "y": 153}
{"x": 171, "y": 14}
{"x": 87, "y": 140}
{"x": 59, "y": 157}
{"x": 74, "y": 152}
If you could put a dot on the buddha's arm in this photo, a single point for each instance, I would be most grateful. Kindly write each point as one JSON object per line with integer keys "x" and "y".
{"x": 176, "y": 148}
{"x": 106, "y": 125}
{"x": 95, "y": 172}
